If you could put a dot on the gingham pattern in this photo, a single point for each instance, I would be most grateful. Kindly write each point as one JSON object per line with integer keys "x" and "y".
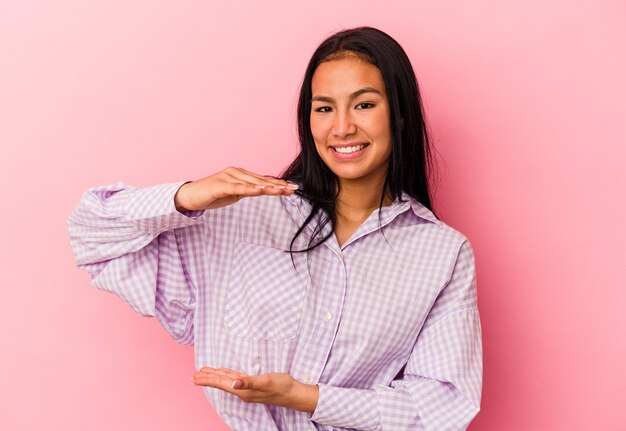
{"x": 348, "y": 318}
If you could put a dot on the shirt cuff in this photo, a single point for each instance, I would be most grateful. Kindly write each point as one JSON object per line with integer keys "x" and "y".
{"x": 153, "y": 210}
{"x": 346, "y": 408}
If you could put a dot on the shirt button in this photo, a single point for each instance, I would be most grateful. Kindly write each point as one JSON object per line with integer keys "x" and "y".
{"x": 306, "y": 378}
{"x": 328, "y": 316}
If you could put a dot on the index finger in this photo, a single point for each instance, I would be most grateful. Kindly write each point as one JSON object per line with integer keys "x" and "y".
{"x": 269, "y": 178}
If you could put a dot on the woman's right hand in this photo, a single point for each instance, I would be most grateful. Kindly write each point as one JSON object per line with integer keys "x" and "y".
{"x": 227, "y": 187}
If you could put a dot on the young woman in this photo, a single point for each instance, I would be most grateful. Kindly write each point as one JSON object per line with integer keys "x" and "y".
{"x": 329, "y": 298}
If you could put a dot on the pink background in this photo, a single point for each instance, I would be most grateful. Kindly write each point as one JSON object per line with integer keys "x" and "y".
{"x": 526, "y": 101}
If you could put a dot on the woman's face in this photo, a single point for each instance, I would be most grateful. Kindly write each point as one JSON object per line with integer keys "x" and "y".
{"x": 350, "y": 119}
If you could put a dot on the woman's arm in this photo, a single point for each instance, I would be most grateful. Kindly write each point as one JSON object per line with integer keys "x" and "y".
{"x": 149, "y": 245}
{"x": 134, "y": 243}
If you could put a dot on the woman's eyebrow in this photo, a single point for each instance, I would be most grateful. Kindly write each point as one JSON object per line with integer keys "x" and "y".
{"x": 352, "y": 96}
{"x": 364, "y": 90}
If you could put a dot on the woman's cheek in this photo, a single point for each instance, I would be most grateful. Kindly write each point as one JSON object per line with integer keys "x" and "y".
{"x": 315, "y": 129}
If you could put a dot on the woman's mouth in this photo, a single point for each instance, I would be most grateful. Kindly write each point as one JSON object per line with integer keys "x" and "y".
{"x": 346, "y": 153}
{"x": 348, "y": 150}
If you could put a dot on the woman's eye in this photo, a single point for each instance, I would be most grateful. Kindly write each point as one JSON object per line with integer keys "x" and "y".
{"x": 364, "y": 105}
{"x": 323, "y": 109}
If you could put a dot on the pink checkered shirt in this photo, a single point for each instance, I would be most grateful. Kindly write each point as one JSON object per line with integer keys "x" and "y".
{"x": 386, "y": 325}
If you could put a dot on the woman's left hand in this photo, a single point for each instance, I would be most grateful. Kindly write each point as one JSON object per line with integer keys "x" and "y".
{"x": 279, "y": 389}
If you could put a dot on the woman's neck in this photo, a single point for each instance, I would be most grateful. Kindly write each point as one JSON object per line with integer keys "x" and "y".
{"x": 357, "y": 200}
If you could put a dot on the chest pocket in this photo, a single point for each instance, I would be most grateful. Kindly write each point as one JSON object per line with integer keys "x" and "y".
{"x": 265, "y": 293}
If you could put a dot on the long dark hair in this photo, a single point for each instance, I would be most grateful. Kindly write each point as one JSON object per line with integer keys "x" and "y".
{"x": 410, "y": 163}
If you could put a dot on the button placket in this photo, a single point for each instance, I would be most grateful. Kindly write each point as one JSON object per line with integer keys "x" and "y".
{"x": 322, "y": 324}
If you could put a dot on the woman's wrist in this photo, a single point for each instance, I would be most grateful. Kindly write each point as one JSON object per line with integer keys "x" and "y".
{"x": 179, "y": 199}
{"x": 303, "y": 397}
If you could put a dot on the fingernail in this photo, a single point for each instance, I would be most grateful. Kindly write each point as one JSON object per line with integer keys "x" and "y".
{"x": 293, "y": 186}
{"x": 279, "y": 187}
{"x": 259, "y": 187}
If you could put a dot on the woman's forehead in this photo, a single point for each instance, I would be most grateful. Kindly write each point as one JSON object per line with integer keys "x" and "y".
{"x": 345, "y": 75}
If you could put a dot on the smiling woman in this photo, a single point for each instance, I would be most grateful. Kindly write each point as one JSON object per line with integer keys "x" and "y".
{"x": 330, "y": 297}
{"x": 351, "y": 128}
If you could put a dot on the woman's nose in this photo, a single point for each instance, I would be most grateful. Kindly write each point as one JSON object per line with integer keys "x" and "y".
{"x": 343, "y": 124}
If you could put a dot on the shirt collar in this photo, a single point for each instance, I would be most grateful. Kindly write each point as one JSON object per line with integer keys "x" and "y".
{"x": 419, "y": 209}
{"x": 395, "y": 208}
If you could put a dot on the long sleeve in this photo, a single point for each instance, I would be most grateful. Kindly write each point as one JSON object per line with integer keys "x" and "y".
{"x": 134, "y": 243}
{"x": 441, "y": 386}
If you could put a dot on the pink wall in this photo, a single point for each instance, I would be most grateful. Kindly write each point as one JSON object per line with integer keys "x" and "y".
{"x": 527, "y": 105}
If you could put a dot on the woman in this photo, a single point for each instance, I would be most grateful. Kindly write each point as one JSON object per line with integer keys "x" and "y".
{"x": 328, "y": 298}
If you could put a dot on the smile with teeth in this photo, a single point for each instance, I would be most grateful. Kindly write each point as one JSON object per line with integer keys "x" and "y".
{"x": 348, "y": 150}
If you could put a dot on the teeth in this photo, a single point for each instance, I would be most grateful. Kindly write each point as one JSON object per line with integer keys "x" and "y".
{"x": 346, "y": 150}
